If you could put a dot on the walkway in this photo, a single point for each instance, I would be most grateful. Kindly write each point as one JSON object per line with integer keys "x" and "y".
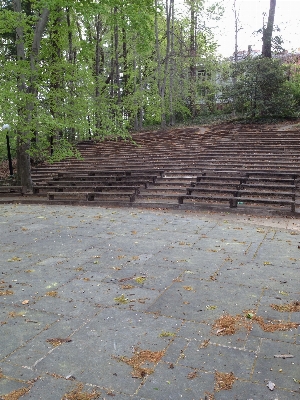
{"x": 141, "y": 304}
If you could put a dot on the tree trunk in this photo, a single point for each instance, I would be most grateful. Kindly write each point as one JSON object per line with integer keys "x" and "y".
{"x": 24, "y": 131}
{"x": 268, "y": 31}
{"x": 97, "y": 71}
{"x": 71, "y": 60}
{"x": 117, "y": 63}
{"x": 237, "y": 28}
{"x": 172, "y": 65}
{"x": 23, "y": 142}
{"x": 162, "y": 73}
{"x": 56, "y": 74}
{"x": 193, "y": 52}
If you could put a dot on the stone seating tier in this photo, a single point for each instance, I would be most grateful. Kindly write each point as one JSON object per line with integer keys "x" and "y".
{"x": 185, "y": 167}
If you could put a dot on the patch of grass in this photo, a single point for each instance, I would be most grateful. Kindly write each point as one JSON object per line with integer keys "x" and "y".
{"x": 167, "y": 334}
{"x": 140, "y": 279}
{"x": 211, "y": 307}
{"x": 121, "y": 299}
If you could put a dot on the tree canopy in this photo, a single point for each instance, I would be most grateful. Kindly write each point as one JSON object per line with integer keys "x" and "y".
{"x": 74, "y": 70}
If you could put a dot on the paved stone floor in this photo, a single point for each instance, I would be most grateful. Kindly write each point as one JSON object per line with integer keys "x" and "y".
{"x": 142, "y": 304}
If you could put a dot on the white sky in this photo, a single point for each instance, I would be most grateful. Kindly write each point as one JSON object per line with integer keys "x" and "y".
{"x": 287, "y": 17}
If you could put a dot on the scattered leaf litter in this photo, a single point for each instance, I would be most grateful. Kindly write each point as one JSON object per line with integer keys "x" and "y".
{"x": 16, "y": 394}
{"x": 229, "y": 325}
{"x": 58, "y": 341}
{"x": 290, "y": 307}
{"x": 273, "y": 326}
{"x": 209, "y": 396}
{"x": 141, "y": 357}
{"x": 224, "y": 381}
{"x": 78, "y": 394}
{"x": 204, "y": 344}
{"x": 192, "y": 375}
{"x": 6, "y": 292}
{"x": 127, "y": 286}
{"x": 52, "y": 293}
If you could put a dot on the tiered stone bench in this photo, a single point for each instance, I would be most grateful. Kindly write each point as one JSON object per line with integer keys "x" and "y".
{"x": 89, "y": 196}
{"x": 95, "y": 185}
{"x": 185, "y": 168}
{"x": 9, "y": 189}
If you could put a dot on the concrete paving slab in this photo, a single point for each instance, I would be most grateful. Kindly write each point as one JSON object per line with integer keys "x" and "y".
{"x": 49, "y": 388}
{"x": 36, "y": 350}
{"x": 249, "y": 390}
{"x": 280, "y": 279}
{"x": 117, "y": 282}
{"x": 279, "y": 370}
{"x": 21, "y": 326}
{"x": 219, "y": 358}
{"x": 174, "y": 383}
{"x": 204, "y": 301}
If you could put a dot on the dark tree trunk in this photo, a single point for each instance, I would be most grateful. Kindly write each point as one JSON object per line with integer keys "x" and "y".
{"x": 72, "y": 60}
{"x": 268, "y": 31}
{"x": 193, "y": 52}
{"x": 24, "y": 131}
{"x": 56, "y": 74}
{"x": 23, "y": 139}
{"x": 97, "y": 69}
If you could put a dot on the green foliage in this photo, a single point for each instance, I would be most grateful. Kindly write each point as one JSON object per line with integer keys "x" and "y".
{"x": 259, "y": 89}
{"x": 96, "y": 71}
{"x": 40, "y": 151}
{"x": 293, "y": 85}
